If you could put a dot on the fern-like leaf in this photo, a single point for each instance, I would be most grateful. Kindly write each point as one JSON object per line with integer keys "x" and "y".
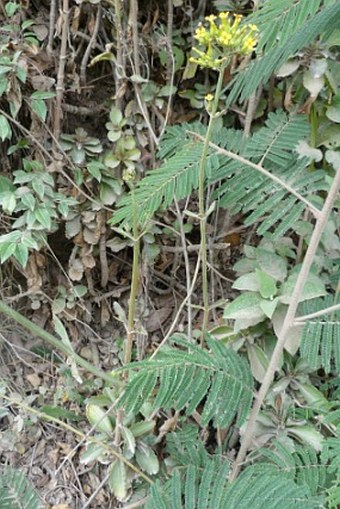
{"x": 209, "y": 489}
{"x": 320, "y": 342}
{"x": 245, "y": 189}
{"x": 186, "y": 448}
{"x": 303, "y": 466}
{"x": 280, "y": 19}
{"x": 187, "y": 376}
{"x": 16, "y": 492}
{"x": 260, "y": 69}
{"x": 176, "y": 177}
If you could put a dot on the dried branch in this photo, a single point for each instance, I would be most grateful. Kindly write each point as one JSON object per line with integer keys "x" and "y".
{"x": 90, "y": 45}
{"x": 65, "y": 14}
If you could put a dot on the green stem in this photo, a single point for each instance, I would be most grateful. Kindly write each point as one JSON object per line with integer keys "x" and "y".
{"x": 35, "y": 330}
{"x": 313, "y": 118}
{"x": 201, "y": 205}
{"x": 134, "y": 284}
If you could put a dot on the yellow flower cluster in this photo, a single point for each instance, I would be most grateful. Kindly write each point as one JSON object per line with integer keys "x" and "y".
{"x": 223, "y": 38}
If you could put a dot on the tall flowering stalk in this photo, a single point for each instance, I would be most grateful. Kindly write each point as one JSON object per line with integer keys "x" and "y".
{"x": 224, "y": 37}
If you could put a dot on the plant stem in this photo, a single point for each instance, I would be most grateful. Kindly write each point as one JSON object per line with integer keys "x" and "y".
{"x": 65, "y": 16}
{"x": 134, "y": 285}
{"x": 201, "y": 204}
{"x": 288, "y": 322}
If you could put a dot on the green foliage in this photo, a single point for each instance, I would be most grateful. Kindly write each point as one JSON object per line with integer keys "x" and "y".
{"x": 177, "y": 177}
{"x": 16, "y": 492}
{"x": 243, "y": 188}
{"x": 37, "y": 206}
{"x": 320, "y": 343}
{"x": 280, "y": 19}
{"x": 257, "y": 487}
{"x": 187, "y": 376}
{"x": 80, "y": 145}
{"x": 260, "y": 69}
{"x": 266, "y": 283}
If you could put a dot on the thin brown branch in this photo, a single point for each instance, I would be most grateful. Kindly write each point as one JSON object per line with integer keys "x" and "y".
{"x": 65, "y": 14}
{"x": 186, "y": 263}
{"x": 90, "y": 45}
{"x": 51, "y": 27}
{"x": 316, "y": 314}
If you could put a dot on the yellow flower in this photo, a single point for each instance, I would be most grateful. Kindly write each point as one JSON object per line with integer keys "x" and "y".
{"x": 211, "y": 18}
{"x": 222, "y": 39}
{"x": 223, "y": 15}
{"x": 209, "y": 97}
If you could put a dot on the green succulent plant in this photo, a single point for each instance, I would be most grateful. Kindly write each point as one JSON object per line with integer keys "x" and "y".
{"x": 80, "y": 145}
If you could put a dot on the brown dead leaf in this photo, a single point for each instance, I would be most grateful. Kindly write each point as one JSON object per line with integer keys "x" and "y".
{"x": 34, "y": 380}
{"x": 76, "y": 270}
{"x": 75, "y": 20}
{"x": 157, "y": 318}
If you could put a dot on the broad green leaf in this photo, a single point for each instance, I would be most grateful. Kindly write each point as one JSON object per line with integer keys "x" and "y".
{"x": 116, "y": 116}
{"x": 78, "y": 155}
{"x": 314, "y": 287}
{"x": 5, "y": 129}
{"x": 5, "y": 185}
{"x": 248, "y": 282}
{"x": 38, "y": 186}
{"x": 39, "y": 107}
{"x": 8, "y": 202}
{"x": 79, "y": 291}
{"x": 28, "y": 200}
{"x": 312, "y": 83}
{"x": 147, "y": 459}
{"x": 107, "y": 195}
{"x": 14, "y": 236}
{"x": 266, "y": 283}
{"x": 307, "y": 434}
{"x": 245, "y": 306}
{"x": 58, "y": 305}
{"x": 59, "y": 413}
{"x": 111, "y": 160}
{"x": 93, "y": 452}
{"x": 42, "y": 215}
{"x": 117, "y": 480}
{"x": 95, "y": 168}
{"x": 269, "y": 306}
{"x": 142, "y": 428}
{"x": 42, "y": 95}
{"x": 114, "y": 135}
{"x": 167, "y": 90}
{"x": 272, "y": 264}
{"x": 258, "y": 362}
{"x": 314, "y": 398}
{"x": 11, "y": 8}
{"x": 294, "y": 334}
{"x": 97, "y": 417}
{"x": 129, "y": 442}
{"x": 28, "y": 241}
{"x": 7, "y": 249}
{"x": 21, "y": 254}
